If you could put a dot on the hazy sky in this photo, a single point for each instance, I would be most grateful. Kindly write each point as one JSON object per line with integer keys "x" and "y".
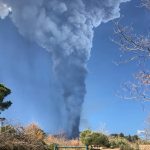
{"x": 27, "y": 70}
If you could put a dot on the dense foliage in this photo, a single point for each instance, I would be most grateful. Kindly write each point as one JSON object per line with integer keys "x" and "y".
{"x": 130, "y": 138}
{"x": 113, "y": 141}
{"x": 94, "y": 138}
{"x": 3, "y": 93}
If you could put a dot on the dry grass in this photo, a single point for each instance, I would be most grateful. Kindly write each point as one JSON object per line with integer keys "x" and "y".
{"x": 62, "y": 141}
{"x": 111, "y": 149}
{"x": 144, "y": 147}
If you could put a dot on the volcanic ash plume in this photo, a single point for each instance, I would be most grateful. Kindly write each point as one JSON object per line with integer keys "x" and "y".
{"x": 65, "y": 29}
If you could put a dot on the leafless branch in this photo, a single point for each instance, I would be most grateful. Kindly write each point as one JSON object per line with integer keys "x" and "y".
{"x": 137, "y": 90}
{"x": 146, "y": 3}
{"x": 138, "y": 46}
{"x": 135, "y": 47}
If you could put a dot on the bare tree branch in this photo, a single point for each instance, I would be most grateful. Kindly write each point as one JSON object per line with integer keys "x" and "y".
{"x": 146, "y": 3}
{"x": 135, "y": 47}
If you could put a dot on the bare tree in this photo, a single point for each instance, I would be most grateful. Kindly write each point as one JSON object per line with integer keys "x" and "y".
{"x": 135, "y": 47}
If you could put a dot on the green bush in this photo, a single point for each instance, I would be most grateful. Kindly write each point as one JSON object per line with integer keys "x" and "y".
{"x": 122, "y": 143}
{"x": 8, "y": 129}
{"x": 117, "y": 142}
{"x": 126, "y": 147}
{"x": 85, "y": 137}
{"x": 94, "y": 138}
{"x": 113, "y": 144}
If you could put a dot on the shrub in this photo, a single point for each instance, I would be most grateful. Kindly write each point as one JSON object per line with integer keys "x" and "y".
{"x": 35, "y": 131}
{"x": 130, "y": 138}
{"x": 19, "y": 139}
{"x": 8, "y": 128}
{"x": 122, "y": 143}
{"x": 85, "y": 137}
{"x": 94, "y": 138}
{"x": 117, "y": 142}
{"x": 129, "y": 147}
{"x": 126, "y": 147}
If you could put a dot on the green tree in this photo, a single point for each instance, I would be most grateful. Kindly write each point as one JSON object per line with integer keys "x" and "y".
{"x": 121, "y": 135}
{"x": 85, "y": 137}
{"x": 135, "y": 138}
{"x": 4, "y": 91}
{"x": 99, "y": 139}
{"x": 129, "y": 138}
{"x": 88, "y": 137}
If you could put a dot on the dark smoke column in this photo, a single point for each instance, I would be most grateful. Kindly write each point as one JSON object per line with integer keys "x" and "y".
{"x": 65, "y": 29}
{"x": 71, "y": 73}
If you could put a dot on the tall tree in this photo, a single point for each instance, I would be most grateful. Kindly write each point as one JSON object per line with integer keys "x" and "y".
{"x": 4, "y": 91}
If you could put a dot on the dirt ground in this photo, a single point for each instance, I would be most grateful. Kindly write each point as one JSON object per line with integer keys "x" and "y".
{"x": 112, "y": 149}
{"x": 142, "y": 147}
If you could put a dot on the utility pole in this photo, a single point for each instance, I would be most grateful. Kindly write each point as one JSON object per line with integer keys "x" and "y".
{"x": 1, "y": 124}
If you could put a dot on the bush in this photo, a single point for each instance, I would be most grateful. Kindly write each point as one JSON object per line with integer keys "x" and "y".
{"x": 126, "y": 147}
{"x": 129, "y": 147}
{"x": 35, "y": 131}
{"x": 18, "y": 139}
{"x": 94, "y": 138}
{"x": 122, "y": 143}
{"x": 85, "y": 137}
{"x": 8, "y": 128}
{"x": 117, "y": 142}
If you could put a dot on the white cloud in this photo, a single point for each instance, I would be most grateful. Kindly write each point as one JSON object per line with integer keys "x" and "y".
{"x": 4, "y": 10}
{"x": 140, "y": 132}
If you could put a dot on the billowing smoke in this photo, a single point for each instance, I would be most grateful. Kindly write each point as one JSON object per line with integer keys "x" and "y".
{"x": 65, "y": 29}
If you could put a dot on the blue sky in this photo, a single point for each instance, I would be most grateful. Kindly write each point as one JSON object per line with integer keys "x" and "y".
{"x": 27, "y": 70}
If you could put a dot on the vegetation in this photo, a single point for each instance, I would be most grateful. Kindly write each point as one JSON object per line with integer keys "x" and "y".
{"x": 19, "y": 138}
{"x": 3, "y": 93}
{"x": 32, "y": 137}
{"x": 117, "y": 142}
{"x": 130, "y": 138}
{"x": 113, "y": 141}
{"x": 94, "y": 138}
{"x": 35, "y": 131}
{"x": 123, "y": 143}
{"x": 62, "y": 141}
